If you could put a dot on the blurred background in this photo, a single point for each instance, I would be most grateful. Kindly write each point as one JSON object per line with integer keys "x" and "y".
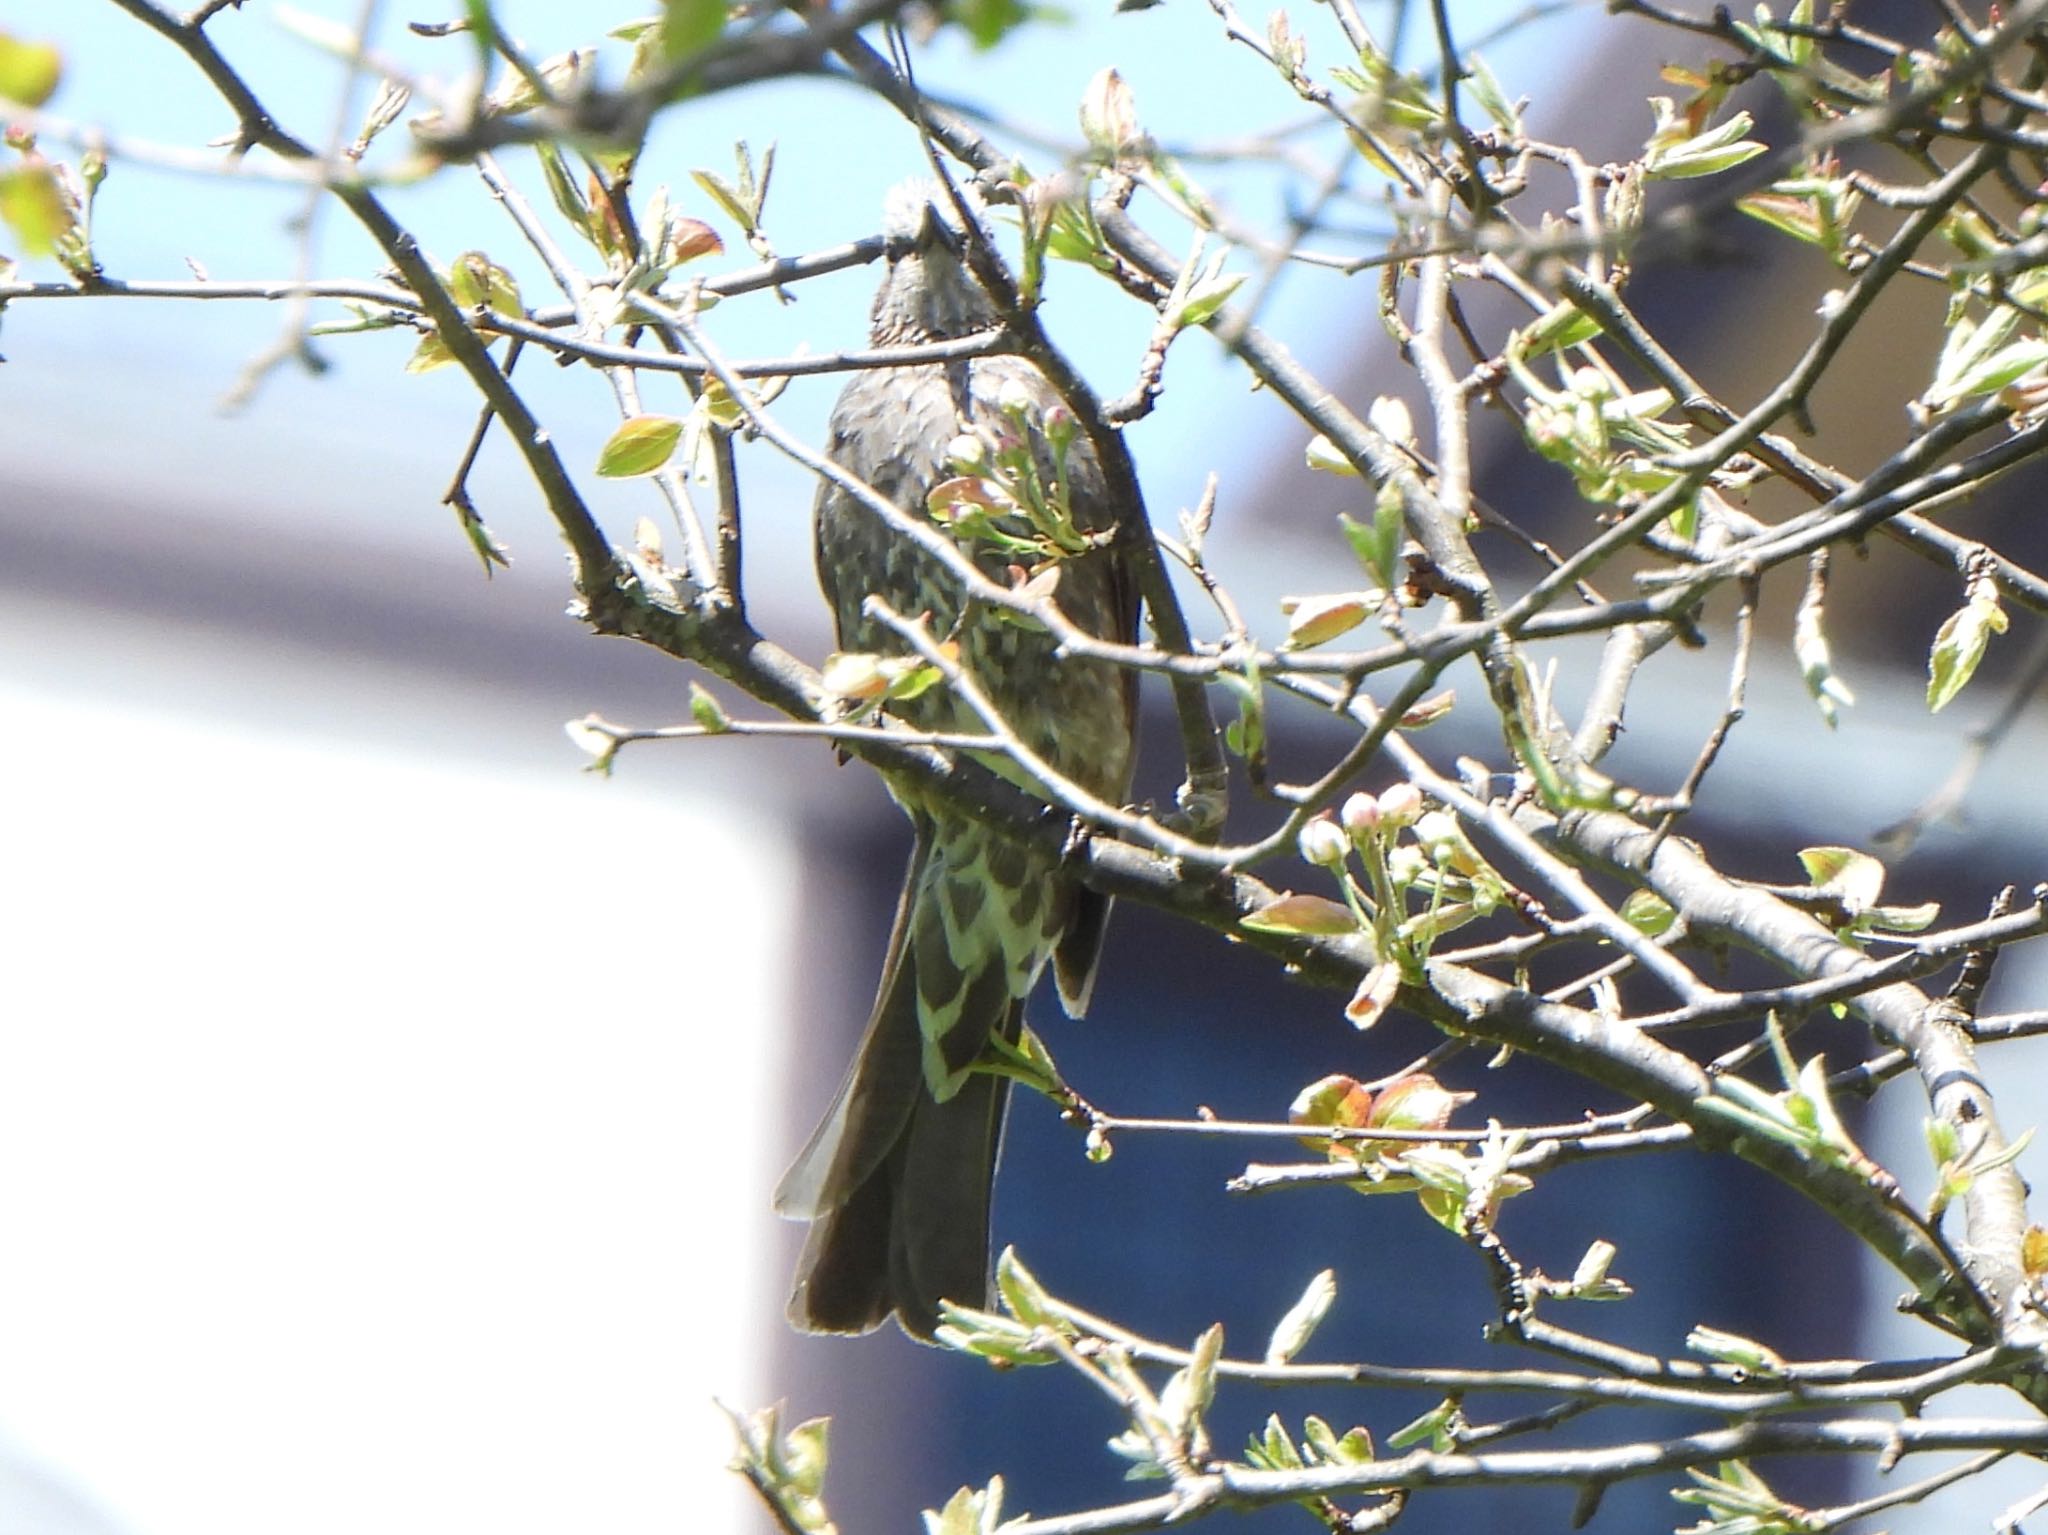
{"x": 388, "y": 1108}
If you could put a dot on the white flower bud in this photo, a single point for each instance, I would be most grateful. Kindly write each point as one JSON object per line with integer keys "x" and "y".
{"x": 1323, "y": 843}
{"x": 1400, "y": 804}
{"x": 855, "y": 675}
{"x": 1014, "y": 398}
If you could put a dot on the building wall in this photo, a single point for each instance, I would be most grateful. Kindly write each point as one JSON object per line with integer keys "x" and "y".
{"x": 386, "y": 1113}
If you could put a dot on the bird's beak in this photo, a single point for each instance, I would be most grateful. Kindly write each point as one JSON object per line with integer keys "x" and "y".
{"x": 935, "y": 234}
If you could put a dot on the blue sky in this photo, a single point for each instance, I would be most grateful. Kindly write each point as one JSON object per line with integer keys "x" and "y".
{"x": 148, "y": 374}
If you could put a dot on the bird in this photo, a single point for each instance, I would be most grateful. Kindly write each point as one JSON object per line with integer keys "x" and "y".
{"x": 897, "y": 1179}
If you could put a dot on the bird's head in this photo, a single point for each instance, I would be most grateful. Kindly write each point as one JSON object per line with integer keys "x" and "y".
{"x": 928, "y": 293}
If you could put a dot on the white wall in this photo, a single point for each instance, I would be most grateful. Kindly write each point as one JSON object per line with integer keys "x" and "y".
{"x": 379, "y": 1122}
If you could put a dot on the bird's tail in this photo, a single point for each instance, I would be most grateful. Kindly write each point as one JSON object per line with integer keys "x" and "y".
{"x": 896, "y": 1180}
{"x": 915, "y": 1230}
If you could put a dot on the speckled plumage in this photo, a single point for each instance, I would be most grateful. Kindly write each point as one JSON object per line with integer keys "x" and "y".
{"x": 896, "y": 1180}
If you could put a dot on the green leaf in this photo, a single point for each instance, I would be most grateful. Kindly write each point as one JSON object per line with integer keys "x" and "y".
{"x": 33, "y": 206}
{"x": 431, "y": 353}
{"x": 1389, "y": 526}
{"x": 805, "y": 1452}
{"x": 1309, "y": 915}
{"x": 1378, "y": 544}
{"x": 1000, "y": 1340}
{"x": 1313, "y": 621}
{"x": 1208, "y": 296}
{"x": 689, "y": 26}
{"x": 392, "y": 98}
{"x": 2005, "y": 1155}
{"x": 1686, "y": 164}
{"x": 1675, "y": 153}
{"x": 481, "y": 29}
{"x": 562, "y": 77}
{"x": 1563, "y": 324}
{"x": 988, "y": 22}
{"x": 1740, "y": 1503}
{"x": 1968, "y": 342}
{"x": 1339, "y": 1101}
{"x": 1438, "y": 1426}
{"x": 1732, "y": 1348}
{"x": 1022, "y": 1295}
{"x": 1815, "y": 207}
{"x": 911, "y": 678}
{"x": 1026, "y": 1060}
{"x": 1326, "y": 1448}
{"x": 1856, "y": 878}
{"x": 1989, "y": 374}
{"x": 29, "y": 72}
{"x": 1200, "y": 288}
{"x": 1319, "y": 1439}
{"x": 1795, "y": 216}
{"x": 476, "y": 282}
{"x": 568, "y": 197}
{"x": 1246, "y": 735}
{"x": 1425, "y": 712}
{"x": 787, "y": 1469}
{"x": 1492, "y": 99}
{"x": 640, "y": 446}
{"x": 1797, "y": 46}
{"x": 1353, "y": 1449}
{"x": 1959, "y": 645}
{"x": 1071, "y": 234}
{"x": 1416, "y": 1101}
{"x": 968, "y": 1512}
{"x": 1944, "y": 1141}
{"x": 1648, "y": 912}
{"x": 1271, "y": 1449}
{"x": 1900, "y": 919}
{"x": 1323, "y": 454}
{"x": 726, "y": 196}
{"x": 485, "y": 545}
{"x": 1814, "y": 1105}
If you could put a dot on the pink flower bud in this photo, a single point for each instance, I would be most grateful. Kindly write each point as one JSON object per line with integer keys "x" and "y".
{"x": 1360, "y": 816}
